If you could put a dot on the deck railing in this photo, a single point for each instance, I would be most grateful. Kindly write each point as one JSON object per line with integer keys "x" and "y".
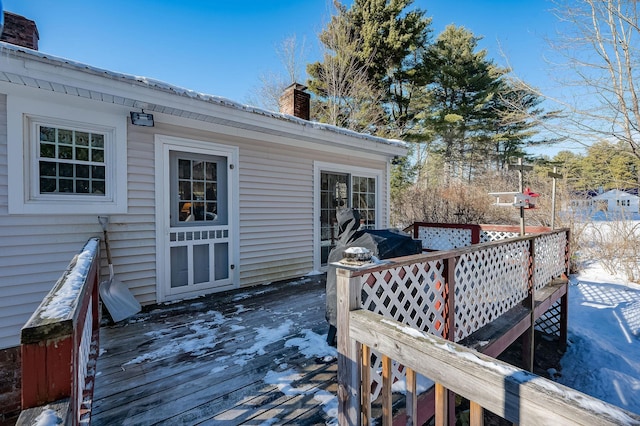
{"x": 60, "y": 339}
{"x": 449, "y": 294}
{"x": 447, "y": 236}
{"x": 514, "y": 394}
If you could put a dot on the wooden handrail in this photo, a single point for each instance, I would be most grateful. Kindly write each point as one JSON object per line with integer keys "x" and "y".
{"x": 56, "y": 341}
{"x": 512, "y": 393}
{"x": 441, "y": 293}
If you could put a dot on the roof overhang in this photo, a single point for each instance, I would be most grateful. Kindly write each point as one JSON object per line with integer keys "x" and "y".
{"x": 25, "y": 67}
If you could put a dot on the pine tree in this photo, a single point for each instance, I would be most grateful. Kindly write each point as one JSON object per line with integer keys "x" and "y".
{"x": 367, "y": 76}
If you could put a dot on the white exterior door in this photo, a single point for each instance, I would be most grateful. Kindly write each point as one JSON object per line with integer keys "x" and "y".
{"x": 197, "y": 243}
{"x": 338, "y": 187}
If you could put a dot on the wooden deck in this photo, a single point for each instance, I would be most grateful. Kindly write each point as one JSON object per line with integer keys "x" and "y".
{"x": 204, "y": 361}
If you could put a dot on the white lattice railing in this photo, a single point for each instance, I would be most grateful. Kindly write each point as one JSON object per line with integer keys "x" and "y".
{"x": 488, "y": 283}
{"x": 446, "y": 236}
{"x": 451, "y": 294}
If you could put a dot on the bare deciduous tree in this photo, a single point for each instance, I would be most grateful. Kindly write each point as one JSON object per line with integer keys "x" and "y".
{"x": 599, "y": 43}
{"x": 346, "y": 96}
{"x": 291, "y": 54}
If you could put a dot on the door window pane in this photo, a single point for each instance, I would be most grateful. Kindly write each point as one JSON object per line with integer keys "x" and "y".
{"x": 364, "y": 199}
{"x": 179, "y": 267}
{"x": 333, "y": 196}
{"x": 197, "y": 189}
{"x": 221, "y": 253}
{"x": 201, "y": 263}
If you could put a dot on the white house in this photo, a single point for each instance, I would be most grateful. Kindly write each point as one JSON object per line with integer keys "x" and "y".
{"x": 618, "y": 201}
{"x": 214, "y": 196}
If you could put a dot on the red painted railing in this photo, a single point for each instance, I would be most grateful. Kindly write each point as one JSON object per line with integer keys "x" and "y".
{"x": 60, "y": 339}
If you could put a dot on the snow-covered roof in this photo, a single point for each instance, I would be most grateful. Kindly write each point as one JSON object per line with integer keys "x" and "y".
{"x": 10, "y": 50}
{"x": 615, "y": 193}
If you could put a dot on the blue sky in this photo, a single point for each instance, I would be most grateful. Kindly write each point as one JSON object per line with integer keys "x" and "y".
{"x": 222, "y": 47}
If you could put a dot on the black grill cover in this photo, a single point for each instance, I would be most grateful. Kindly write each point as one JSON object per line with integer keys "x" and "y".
{"x": 383, "y": 243}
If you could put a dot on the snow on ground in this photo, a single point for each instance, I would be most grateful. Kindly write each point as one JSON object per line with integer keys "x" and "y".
{"x": 603, "y": 357}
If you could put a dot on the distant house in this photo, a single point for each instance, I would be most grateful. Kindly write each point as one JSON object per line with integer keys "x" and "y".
{"x": 614, "y": 201}
{"x": 203, "y": 196}
{"x": 618, "y": 201}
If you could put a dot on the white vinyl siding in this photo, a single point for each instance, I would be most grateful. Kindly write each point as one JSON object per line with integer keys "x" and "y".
{"x": 276, "y": 221}
{"x": 276, "y": 215}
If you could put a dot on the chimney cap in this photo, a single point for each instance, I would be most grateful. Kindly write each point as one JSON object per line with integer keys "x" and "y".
{"x": 296, "y": 86}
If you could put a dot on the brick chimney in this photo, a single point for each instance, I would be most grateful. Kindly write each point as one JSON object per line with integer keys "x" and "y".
{"x": 295, "y": 101}
{"x": 20, "y": 31}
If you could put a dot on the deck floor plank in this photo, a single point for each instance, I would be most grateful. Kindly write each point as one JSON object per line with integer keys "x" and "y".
{"x": 222, "y": 381}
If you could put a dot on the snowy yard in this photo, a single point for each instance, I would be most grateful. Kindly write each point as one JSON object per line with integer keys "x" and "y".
{"x": 603, "y": 356}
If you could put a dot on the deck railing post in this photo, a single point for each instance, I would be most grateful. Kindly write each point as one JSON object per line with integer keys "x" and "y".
{"x": 450, "y": 329}
{"x": 349, "y": 351}
{"x": 475, "y": 234}
{"x": 528, "y": 344}
{"x": 564, "y": 300}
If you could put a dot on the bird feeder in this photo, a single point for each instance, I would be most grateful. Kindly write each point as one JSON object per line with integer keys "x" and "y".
{"x": 526, "y": 200}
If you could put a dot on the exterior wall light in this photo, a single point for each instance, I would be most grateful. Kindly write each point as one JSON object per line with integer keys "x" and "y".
{"x": 141, "y": 119}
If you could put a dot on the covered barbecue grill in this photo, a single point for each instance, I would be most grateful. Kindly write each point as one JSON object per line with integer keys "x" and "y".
{"x": 382, "y": 243}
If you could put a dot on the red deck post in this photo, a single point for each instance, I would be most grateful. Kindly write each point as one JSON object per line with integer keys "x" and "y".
{"x": 46, "y": 371}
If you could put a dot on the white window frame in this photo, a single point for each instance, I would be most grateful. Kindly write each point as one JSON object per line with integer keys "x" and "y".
{"x": 318, "y": 168}
{"x": 23, "y": 117}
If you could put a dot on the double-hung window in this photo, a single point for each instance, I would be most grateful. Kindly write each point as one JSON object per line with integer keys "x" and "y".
{"x": 63, "y": 160}
{"x": 71, "y": 161}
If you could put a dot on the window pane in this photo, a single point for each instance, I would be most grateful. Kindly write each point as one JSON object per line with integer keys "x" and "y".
{"x": 179, "y": 267}
{"x": 82, "y": 154}
{"x": 65, "y": 152}
{"x": 47, "y": 150}
{"x": 47, "y": 134}
{"x": 98, "y": 172}
{"x": 65, "y": 169}
{"x": 184, "y": 169}
{"x": 66, "y": 185}
{"x": 201, "y": 263}
{"x": 97, "y": 141}
{"x": 47, "y": 185}
{"x": 65, "y": 136}
{"x": 82, "y": 186}
{"x": 82, "y": 138}
{"x": 70, "y": 168}
{"x": 98, "y": 187}
{"x": 212, "y": 211}
{"x": 198, "y": 211}
{"x": 185, "y": 212}
{"x": 211, "y": 194}
{"x": 198, "y": 190}
{"x": 211, "y": 171}
{"x": 221, "y": 256}
{"x": 184, "y": 190}
{"x": 48, "y": 169}
{"x": 97, "y": 155}
{"x": 198, "y": 170}
{"x": 82, "y": 171}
